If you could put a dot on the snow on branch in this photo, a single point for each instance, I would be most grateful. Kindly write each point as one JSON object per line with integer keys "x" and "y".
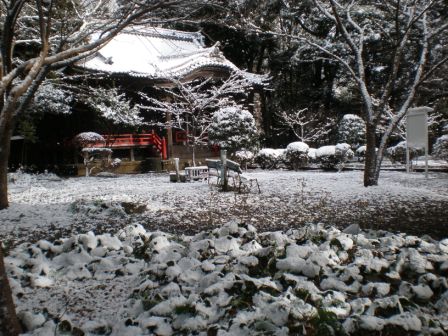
{"x": 115, "y": 107}
{"x": 305, "y": 126}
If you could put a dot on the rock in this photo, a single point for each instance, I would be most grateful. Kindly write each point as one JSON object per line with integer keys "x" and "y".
{"x": 31, "y": 321}
{"x": 371, "y": 323}
{"x": 41, "y": 281}
{"x": 353, "y": 229}
{"x": 407, "y": 321}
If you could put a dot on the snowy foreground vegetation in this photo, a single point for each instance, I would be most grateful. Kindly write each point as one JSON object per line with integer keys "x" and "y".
{"x": 233, "y": 280}
{"x": 213, "y": 275}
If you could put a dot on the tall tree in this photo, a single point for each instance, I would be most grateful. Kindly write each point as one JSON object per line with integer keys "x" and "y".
{"x": 387, "y": 48}
{"x": 38, "y": 36}
{"x": 390, "y": 54}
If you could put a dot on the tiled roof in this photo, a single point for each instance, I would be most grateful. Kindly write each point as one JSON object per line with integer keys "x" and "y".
{"x": 156, "y": 53}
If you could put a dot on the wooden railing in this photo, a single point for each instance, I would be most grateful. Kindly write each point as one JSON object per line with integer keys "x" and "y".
{"x": 134, "y": 140}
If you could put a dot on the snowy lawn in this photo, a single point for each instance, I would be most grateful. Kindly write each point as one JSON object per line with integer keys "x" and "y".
{"x": 200, "y": 276}
{"x": 45, "y": 206}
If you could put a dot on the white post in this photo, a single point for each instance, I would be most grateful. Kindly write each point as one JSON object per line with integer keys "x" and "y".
{"x": 426, "y": 159}
{"x": 407, "y": 158}
{"x": 86, "y": 162}
{"x": 176, "y": 166}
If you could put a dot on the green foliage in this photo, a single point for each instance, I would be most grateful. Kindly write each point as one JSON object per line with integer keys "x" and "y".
{"x": 27, "y": 128}
{"x": 352, "y": 130}
{"x": 185, "y": 309}
{"x": 325, "y": 323}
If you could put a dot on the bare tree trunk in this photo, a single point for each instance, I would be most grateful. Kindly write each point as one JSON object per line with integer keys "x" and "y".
{"x": 5, "y": 147}
{"x": 370, "y": 168}
{"x": 9, "y": 324}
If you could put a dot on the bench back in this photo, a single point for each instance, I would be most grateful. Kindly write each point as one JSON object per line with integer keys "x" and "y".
{"x": 217, "y": 164}
{"x": 234, "y": 166}
{"x": 213, "y": 164}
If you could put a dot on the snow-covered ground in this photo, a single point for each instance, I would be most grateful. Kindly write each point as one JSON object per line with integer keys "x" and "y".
{"x": 405, "y": 202}
{"x": 126, "y": 277}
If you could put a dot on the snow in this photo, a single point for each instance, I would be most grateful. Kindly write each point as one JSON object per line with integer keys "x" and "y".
{"x": 350, "y": 117}
{"x": 130, "y": 270}
{"x": 271, "y": 152}
{"x": 325, "y": 151}
{"x": 297, "y": 147}
{"x": 88, "y": 138}
{"x": 312, "y": 153}
{"x": 96, "y": 150}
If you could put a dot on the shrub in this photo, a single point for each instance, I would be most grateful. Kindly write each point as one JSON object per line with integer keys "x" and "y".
{"x": 360, "y": 153}
{"x": 440, "y": 149}
{"x": 232, "y": 128}
{"x": 269, "y": 158}
{"x": 296, "y": 155}
{"x": 352, "y": 130}
{"x": 244, "y": 157}
{"x": 312, "y": 155}
{"x": 397, "y": 153}
{"x": 329, "y": 157}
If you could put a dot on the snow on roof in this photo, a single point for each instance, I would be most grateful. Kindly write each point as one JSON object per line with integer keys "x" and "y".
{"x": 150, "y": 52}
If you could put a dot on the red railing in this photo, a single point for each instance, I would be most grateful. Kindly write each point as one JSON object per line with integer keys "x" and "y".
{"x": 133, "y": 140}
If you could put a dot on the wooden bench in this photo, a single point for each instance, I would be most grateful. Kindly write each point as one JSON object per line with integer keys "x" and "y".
{"x": 240, "y": 182}
{"x": 196, "y": 173}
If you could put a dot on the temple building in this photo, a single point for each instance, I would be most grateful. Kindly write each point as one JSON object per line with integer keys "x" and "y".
{"x": 140, "y": 59}
{"x": 148, "y": 57}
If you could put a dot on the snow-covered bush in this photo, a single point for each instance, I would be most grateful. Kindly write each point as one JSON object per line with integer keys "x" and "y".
{"x": 296, "y": 155}
{"x": 244, "y": 157}
{"x": 352, "y": 130}
{"x": 312, "y": 155}
{"x": 115, "y": 163}
{"x": 329, "y": 157}
{"x": 88, "y": 139}
{"x": 360, "y": 153}
{"x": 232, "y": 128}
{"x": 269, "y": 158}
{"x": 397, "y": 153}
{"x": 96, "y": 159}
{"x": 440, "y": 149}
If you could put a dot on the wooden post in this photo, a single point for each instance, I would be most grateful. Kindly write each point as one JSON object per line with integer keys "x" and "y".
{"x": 9, "y": 324}
{"x": 169, "y": 135}
{"x": 164, "y": 152}
{"x": 224, "y": 182}
{"x": 86, "y": 162}
{"x": 132, "y": 154}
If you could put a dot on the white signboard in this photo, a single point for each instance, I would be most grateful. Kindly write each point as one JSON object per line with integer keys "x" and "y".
{"x": 417, "y": 127}
{"x": 417, "y": 132}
